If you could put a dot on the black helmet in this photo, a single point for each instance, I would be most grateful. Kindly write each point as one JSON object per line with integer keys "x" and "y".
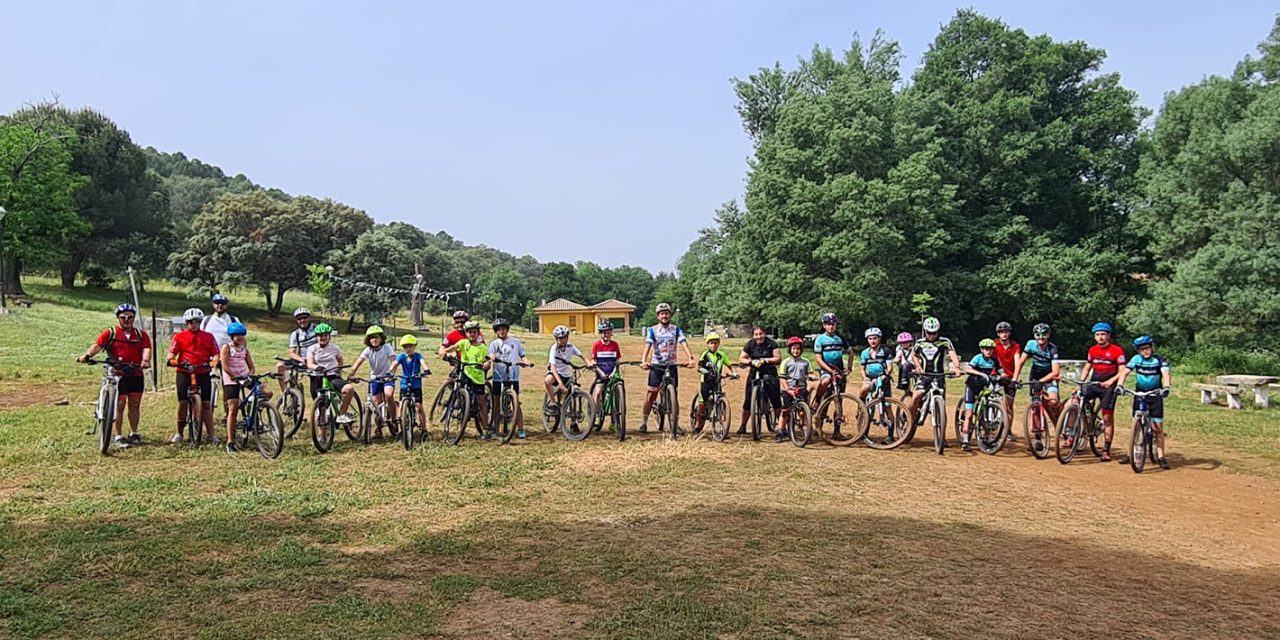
{"x": 501, "y": 322}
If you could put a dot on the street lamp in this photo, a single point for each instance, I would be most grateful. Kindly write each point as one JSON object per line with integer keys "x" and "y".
{"x": 3, "y": 308}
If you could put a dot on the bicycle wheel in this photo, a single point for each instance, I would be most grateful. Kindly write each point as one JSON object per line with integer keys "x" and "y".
{"x": 408, "y": 424}
{"x": 799, "y": 424}
{"x": 353, "y": 424}
{"x": 847, "y": 416}
{"x": 938, "y": 416}
{"x": 1138, "y": 446}
{"x": 242, "y": 425}
{"x": 550, "y": 418}
{"x": 505, "y": 419}
{"x": 575, "y": 415}
{"x": 1095, "y": 432}
{"x": 106, "y": 419}
{"x": 323, "y": 425}
{"x": 454, "y": 416}
{"x": 195, "y": 416}
{"x": 368, "y": 416}
{"x": 719, "y": 419}
{"x": 1035, "y": 428}
{"x": 293, "y": 408}
{"x": 758, "y": 403}
{"x": 618, "y": 414}
{"x": 957, "y": 423}
{"x": 268, "y": 433}
{"x": 887, "y": 424}
{"x": 1067, "y": 441}
{"x": 992, "y": 427}
{"x": 666, "y": 422}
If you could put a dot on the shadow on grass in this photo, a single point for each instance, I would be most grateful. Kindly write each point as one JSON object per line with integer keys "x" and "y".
{"x": 700, "y": 573}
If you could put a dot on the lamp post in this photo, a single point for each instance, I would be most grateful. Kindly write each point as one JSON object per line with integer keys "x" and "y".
{"x": 3, "y": 303}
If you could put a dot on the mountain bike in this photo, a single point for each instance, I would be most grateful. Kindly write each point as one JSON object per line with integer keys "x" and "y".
{"x": 1078, "y": 421}
{"x": 328, "y": 408}
{"x": 799, "y": 419}
{"x": 613, "y": 402}
{"x": 410, "y": 430}
{"x": 713, "y": 409}
{"x": 373, "y": 415}
{"x": 453, "y": 403}
{"x": 293, "y": 401}
{"x": 758, "y": 403}
{"x": 505, "y": 416}
{"x": 259, "y": 418}
{"x": 664, "y": 405}
{"x": 191, "y": 420}
{"x": 845, "y": 411}
{"x": 1142, "y": 445}
{"x": 577, "y": 408}
{"x": 1036, "y": 422}
{"x": 933, "y": 409}
{"x": 888, "y": 421}
{"x": 104, "y": 412}
{"x": 987, "y": 424}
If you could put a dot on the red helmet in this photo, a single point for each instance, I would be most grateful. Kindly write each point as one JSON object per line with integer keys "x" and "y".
{"x": 794, "y": 340}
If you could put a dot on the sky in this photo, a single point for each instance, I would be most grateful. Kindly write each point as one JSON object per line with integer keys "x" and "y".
{"x": 575, "y": 130}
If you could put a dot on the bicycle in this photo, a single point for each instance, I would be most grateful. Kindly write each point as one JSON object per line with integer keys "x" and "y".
{"x": 613, "y": 402}
{"x": 1036, "y": 422}
{"x": 888, "y": 421}
{"x": 104, "y": 412}
{"x": 505, "y": 416}
{"x": 292, "y": 403}
{"x": 191, "y": 421}
{"x": 716, "y": 409}
{"x": 1078, "y": 421}
{"x": 374, "y": 413}
{"x": 934, "y": 409}
{"x": 327, "y": 409}
{"x": 987, "y": 424}
{"x": 577, "y": 409}
{"x": 259, "y": 418}
{"x": 664, "y": 405}
{"x": 410, "y": 431}
{"x": 799, "y": 419}
{"x": 835, "y": 406}
{"x": 453, "y": 403}
{"x": 1142, "y": 445}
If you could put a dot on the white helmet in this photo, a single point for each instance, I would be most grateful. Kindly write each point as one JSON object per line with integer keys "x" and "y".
{"x": 874, "y": 331}
{"x": 192, "y": 314}
{"x": 301, "y": 311}
{"x": 931, "y": 325}
{"x": 560, "y": 331}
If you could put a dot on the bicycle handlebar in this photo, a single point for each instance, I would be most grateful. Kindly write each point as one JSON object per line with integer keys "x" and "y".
{"x": 255, "y": 378}
{"x": 112, "y": 362}
{"x": 320, "y": 371}
{"x": 1162, "y": 392}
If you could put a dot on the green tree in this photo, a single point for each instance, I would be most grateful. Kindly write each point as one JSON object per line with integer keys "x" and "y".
{"x": 377, "y": 258}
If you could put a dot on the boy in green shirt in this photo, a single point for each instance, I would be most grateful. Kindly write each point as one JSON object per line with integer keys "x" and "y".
{"x": 474, "y": 354}
{"x": 717, "y": 363}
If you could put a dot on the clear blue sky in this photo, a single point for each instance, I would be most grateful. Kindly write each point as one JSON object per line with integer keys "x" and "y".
{"x": 600, "y": 131}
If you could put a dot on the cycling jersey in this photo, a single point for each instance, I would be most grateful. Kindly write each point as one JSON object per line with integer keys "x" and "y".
{"x": 989, "y": 366}
{"x": 1042, "y": 358}
{"x": 509, "y": 350}
{"x": 874, "y": 361}
{"x": 664, "y": 339}
{"x": 831, "y": 349}
{"x": 606, "y": 357}
{"x": 1007, "y": 356}
{"x": 1106, "y": 360}
{"x": 715, "y": 361}
{"x": 125, "y": 346}
{"x": 302, "y": 340}
{"x": 1150, "y": 371}
{"x": 933, "y": 353}
{"x": 796, "y": 372}
{"x": 762, "y": 351}
{"x": 194, "y": 348}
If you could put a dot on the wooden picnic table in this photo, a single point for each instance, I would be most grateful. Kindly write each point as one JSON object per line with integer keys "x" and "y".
{"x": 1259, "y": 384}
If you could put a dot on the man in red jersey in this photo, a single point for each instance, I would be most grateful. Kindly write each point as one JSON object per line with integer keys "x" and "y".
{"x": 1103, "y": 367}
{"x": 1008, "y": 352}
{"x": 132, "y": 346}
{"x": 199, "y": 350}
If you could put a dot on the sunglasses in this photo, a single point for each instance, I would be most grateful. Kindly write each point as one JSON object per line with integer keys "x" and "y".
{"x": 1042, "y": 335}
{"x": 126, "y": 317}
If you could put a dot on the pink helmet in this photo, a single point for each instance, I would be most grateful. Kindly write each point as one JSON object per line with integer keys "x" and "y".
{"x": 906, "y": 337}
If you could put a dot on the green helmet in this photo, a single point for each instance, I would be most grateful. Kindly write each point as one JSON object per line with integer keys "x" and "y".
{"x": 374, "y": 330}
{"x": 323, "y": 328}
{"x": 471, "y": 324}
{"x": 987, "y": 343}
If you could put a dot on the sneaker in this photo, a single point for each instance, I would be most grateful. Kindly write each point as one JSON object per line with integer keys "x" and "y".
{"x": 1123, "y": 459}
{"x": 780, "y": 436}
{"x": 1038, "y": 445}
{"x": 487, "y": 435}
{"x": 1010, "y": 437}
{"x": 553, "y": 408}
{"x": 964, "y": 446}
{"x": 644, "y": 427}
{"x": 1164, "y": 464}
{"x": 520, "y": 434}
{"x": 135, "y": 438}
{"x": 120, "y": 442}
{"x": 345, "y": 419}
{"x": 176, "y": 439}
{"x": 1106, "y": 456}
{"x": 215, "y": 440}
{"x": 232, "y": 448}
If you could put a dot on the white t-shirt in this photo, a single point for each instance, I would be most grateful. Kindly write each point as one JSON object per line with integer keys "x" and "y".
{"x": 380, "y": 360}
{"x": 509, "y": 350}
{"x": 566, "y": 353}
{"x": 326, "y": 356}
{"x": 217, "y": 325}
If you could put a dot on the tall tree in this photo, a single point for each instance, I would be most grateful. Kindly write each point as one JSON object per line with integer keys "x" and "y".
{"x": 377, "y": 258}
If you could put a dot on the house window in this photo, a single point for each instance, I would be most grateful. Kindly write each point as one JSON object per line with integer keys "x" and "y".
{"x": 573, "y": 321}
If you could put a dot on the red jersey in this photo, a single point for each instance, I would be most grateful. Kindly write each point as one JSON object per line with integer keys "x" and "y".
{"x": 194, "y": 348}
{"x": 125, "y": 346}
{"x": 1007, "y": 356}
{"x": 606, "y": 356}
{"x": 1106, "y": 360}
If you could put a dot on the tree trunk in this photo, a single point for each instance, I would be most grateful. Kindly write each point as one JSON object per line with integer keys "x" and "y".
{"x": 266, "y": 294}
{"x": 351, "y": 322}
{"x": 13, "y": 277}
{"x": 70, "y": 269}
{"x": 275, "y": 310}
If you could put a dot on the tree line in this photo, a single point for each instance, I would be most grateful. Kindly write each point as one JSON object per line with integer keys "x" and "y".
{"x": 1010, "y": 178}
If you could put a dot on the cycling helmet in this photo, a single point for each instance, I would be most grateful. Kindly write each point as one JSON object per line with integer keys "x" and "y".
{"x": 604, "y": 326}
{"x": 501, "y": 322}
{"x": 874, "y": 331}
{"x": 662, "y": 306}
{"x": 713, "y": 337}
{"x": 471, "y": 324}
{"x": 1101, "y": 326}
{"x": 237, "y": 329}
{"x": 461, "y": 316}
{"x": 1143, "y": 341}
{"x": 408, "y": 339}
{"x": 794, "y": 340}
{"x": 906, "y": 337}
{"x": 987, "y": 343}
{"x": 560, "y": 331}
{"x": 828, "y": 318}
{"x": 323, "y": 329}
{"x": 374, "y": 330}
{"x": 1004, "y": 326}
{"x": 220, "y": 298}
{"x": 301, "y": 311}
{"x": 931, "y": 325}
{"x": 126, "y": 307}
{"x": 1041, "y": 329}
{"x": 192, "y": 314}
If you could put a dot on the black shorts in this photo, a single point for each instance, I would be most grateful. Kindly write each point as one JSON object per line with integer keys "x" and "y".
{"x": 231, "y": 391}
{"x": 131, "y": 384}
{"x": 973, "y": 385}
{"x": 337, "y": 382}
{"x": 904, "y": 376}
{"x": 1155, "y": 407}
{"x": 772, "y": 392}
{"x": 707, "y": 388}
{"x": 927, "y": 383}
{"x": 476, "y": 389}
{"x": 788, "y": 400}
{"x": 502, "y": 385}
{"x": 416, "y": 393}
{"x": 203, "y": 383}
{"x": 1107, "y": 395}
{"x": 656, "y": 371}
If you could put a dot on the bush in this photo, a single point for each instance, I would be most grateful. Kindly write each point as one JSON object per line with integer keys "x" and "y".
{"x": 1217, "y": 360}
{"x": 95, "y": 277}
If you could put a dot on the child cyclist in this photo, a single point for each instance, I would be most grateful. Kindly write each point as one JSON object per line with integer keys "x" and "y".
{"x": 1153, "y": 373}
{"x": 606, "y": 354}
{"x": 902, "y": 360}
{"x": 877, "y": 364}
{"x": 325, "y": 358}
{"x": 409, "y": 364}
{"x": 1045, "y": 371}
{"x": 981, "y": 368}
{"x": 795, "y": 371}
{"x": 712, "y": 364}
{"x": 829, "y": 349}
{"x": 379, "y": 355}
{"x": 507, "y": 355}
{"x": 236, "y": 363}
{"x": 558, "y": 367}
{"x": 474, "y": 351}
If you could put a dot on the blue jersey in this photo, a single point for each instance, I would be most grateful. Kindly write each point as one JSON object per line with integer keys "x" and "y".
{"x": 1150, "y": 371}
{"x": 410, "y": 365}
{"x": 1042, "y": 358}
{"x": 875, "y": 361}
{"x": 985, "y": 365}
{"x": 831, "y": 349}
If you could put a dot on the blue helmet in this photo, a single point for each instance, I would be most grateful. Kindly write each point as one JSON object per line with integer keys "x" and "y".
{"x": 1101, "y": 326}
{"x": 237, "y": 329}
{"x": 218, "y": 297}
{"x": 126, "y": 308}
{"x": 1142, "y": 341}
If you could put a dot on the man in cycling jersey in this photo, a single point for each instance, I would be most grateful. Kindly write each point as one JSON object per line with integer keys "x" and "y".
{"x": 660, "y": 344}
{"x": 199, "y": 350}
{"x": 1008, "y": 351}
{"x": 1045, "y": 369}
{"x": 1152, "y": 371}
{"x": 929, "y": 357}
{"x": 217, "y": 324}
{"x": 1102, "y": 366}
{"x": 829, "y": 349}
{"x": 877, "y": 364}
{"x": 460, "y": 317}
{"x": 300, "y": 341}
{"x": 128, "y": 345}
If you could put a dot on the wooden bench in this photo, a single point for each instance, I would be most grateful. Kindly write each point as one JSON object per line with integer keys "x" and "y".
{"x": 1210, "y": 392}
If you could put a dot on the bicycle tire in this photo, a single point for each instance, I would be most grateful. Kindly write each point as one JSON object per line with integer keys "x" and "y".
{"x": 408, "y": 424}
{"x": 993, "y": 429}
{"x": 720, "y": 420}
{"x": 618, "y": 416}
{"x": 840, "y": 434}
{"x": 242, "y": 425}
{"x": 1138, "y": 446}
{"x": 355, "y": 411}
{"x": 550, "y": 419}
{"x": 757, "y": 400}
{"x": 1068, "y": 429}
{"x": 1035, "y": 428}
{"x": 195, "y": 418}
{"x": 268, "y": 434}
{"x": 665, "y": 421}
{"x": 1096, "y": 431}
{"x": 505, "y": 420}
{"x": 106, "y": 419}
{"x": 799, "y": 424}
{"x": 938, "y": 416}
{"x": 366, "y": 421}
{"x": 292, "y": 407}
{"x": 455, "y": 416}
{"x": 957, "y": 423}
{"x": 576, "y": 414}
{"x": 698, "y": 426}
{"x": 323, "y": 425}
{"x": 892, "y": 417}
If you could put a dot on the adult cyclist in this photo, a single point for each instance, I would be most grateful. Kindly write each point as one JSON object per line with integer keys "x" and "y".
{"x": 1103, "y": 365}
{"x": 930, "y": 356}
{"x": 1045, "y": 369}
{"x": 1008, "y": 352}
{"x": 199, "y": 350}
{"x": 300, "y": 341}
{"x": 660, "y": 344}
{"x": 829, "y": 349}
{"x": 460, "y": 318}
{"x": 129, "y": 345}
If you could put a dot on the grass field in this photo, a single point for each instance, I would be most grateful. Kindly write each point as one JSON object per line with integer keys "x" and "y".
{"x": 642, "y": 539}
